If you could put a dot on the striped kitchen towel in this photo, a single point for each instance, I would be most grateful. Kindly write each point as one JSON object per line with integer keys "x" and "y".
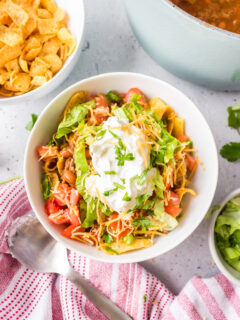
{"x": 25, "y": 294}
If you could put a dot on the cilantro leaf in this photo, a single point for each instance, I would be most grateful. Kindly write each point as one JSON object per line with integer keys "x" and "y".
{"x": 100, "y": 135}
{"x": 231, "y": 151}
{"x": 141, "y": 179}
{"x": 110, "y": 172}
{"x": 119, "y": 186}
{"x": 109, "y": 192}
{"x": 234, "y": 117}
{"x": 31, "y": 123}
{"x": 126, "y": 197}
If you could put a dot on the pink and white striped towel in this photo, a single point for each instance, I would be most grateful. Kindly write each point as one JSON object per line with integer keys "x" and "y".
{"x": 25, "y": 294}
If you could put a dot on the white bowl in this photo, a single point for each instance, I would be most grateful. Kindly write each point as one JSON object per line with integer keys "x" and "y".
{"x": 76, "y": 20}
{"x": 204, "y": 181}
{"x": 230, "y": 273}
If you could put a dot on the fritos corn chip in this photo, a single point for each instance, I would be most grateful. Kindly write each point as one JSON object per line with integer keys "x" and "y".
{"x": 34, "y": 44}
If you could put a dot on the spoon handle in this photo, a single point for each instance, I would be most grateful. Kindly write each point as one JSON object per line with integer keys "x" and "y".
{"x": 100, "y": 301}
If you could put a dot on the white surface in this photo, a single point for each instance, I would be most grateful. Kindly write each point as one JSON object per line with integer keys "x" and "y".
{"x": 204, "y": 181}
{"x": 232, "y": 274}
{"x": 76, "y": 17}
{"x": 110, "y": 46}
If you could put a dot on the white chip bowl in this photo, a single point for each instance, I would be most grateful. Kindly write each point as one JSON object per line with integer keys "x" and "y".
{"x": 76, "y": 21}
{"x": 229, "y": 272}
{"x": 204, "y": 181}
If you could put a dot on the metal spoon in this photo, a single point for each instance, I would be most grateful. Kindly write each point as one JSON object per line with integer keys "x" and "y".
{"x": 32, "y": 245}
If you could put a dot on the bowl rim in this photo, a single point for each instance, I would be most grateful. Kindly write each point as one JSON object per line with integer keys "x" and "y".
{"x": 28, "y": 94}
{"x": 201, "y": 22}
{"x": 211, "y": 239}
{"x": 120, "y": 258}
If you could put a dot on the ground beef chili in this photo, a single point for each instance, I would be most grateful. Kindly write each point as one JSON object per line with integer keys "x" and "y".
{"x": 224, "y": 14}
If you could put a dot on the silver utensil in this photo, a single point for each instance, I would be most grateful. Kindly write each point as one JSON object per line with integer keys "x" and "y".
{"x": 31, "y": 244}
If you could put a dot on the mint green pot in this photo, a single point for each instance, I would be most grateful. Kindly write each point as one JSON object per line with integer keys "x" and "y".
{"x": 186, "y": 46}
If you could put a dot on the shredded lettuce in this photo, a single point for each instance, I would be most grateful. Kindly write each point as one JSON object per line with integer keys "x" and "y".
{"x": 91, "y": 213}
{"x": 227, "y": 232}
{"x": 46, "y": 186}
{"x": 162, "y": 218}
{"x": 72, "y": 119}
{"x": 120, "y": 114}
{"x": 158, "y": 181}
{"x": 80, "y": 158}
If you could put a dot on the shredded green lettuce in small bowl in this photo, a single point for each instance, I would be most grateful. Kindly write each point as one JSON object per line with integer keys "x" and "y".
{"x": 227, "y": 232}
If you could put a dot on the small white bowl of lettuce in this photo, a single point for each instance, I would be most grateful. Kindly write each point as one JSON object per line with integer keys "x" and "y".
{"x": 224, "y": 237}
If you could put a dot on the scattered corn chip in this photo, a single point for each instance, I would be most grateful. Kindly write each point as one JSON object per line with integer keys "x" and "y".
{"x": 47, "y": 26}
{"x": 50, "y": 5}
{"x": 44, "y": 14}
{"x": 9, "y": 37}
{"x": 21, "y": 83}
{"x": 9, "y": 53}
{"x": 16, "y": 13}
{"x": 23, "y": 64}
{"x": 32, "y": 54}
{"x": 54, "y": 62}
{"x": 12, "y": 66}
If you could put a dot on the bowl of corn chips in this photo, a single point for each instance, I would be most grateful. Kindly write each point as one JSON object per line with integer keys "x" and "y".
{"x": 39, "y": 45}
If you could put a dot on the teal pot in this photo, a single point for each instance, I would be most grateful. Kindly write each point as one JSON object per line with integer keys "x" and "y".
{"x": 186, "y": 46}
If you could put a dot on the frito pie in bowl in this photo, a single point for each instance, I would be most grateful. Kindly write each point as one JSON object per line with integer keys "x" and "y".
{"x": 111, "y": 167}
{"x": 38, "y": 43}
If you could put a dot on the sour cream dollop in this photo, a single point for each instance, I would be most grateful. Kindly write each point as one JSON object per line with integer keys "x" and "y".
{"x": 111, "y": 174}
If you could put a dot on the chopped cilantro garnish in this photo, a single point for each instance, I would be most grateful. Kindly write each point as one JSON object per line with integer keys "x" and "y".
{"x": 123, "y": 180}
{"x": 141, "y": 179}
{"x": 110, "y": 172}
{"x": 231, "y": 151}
{"x": 100, "y": 134}
{"x": 126, "y": 197}
{"x": 234, "y": 117}
{"x": 119, "y": 186}
{"x": 31, "y": 123}
{"x": 109, "y": 192}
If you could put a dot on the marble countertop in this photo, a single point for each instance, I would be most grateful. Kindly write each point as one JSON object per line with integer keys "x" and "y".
{"x": 109, "y": 45}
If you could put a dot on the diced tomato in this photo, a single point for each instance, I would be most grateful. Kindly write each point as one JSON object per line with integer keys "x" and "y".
{"x": 73, "y": 214}
{"x": 101, "y": 111}
{"x": 133, "y": 91}
{"x": 101, "y": 102}
{"x": 51, "y": 206}
{"x": 47, "y": 152}
{"x": 62, "y": 194}
{"x": 67, "y": 232}
{"x": 59, "y": 217}
{"x": 190, "y": 162}
{"x": 173, "y": 211}
{"x": 114, "y": 224}
{"x": 174, "y": 199}
{"x": 124, "y": 233}
{"x": 74, "y": 197}
{"x": 183, "y": 138}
